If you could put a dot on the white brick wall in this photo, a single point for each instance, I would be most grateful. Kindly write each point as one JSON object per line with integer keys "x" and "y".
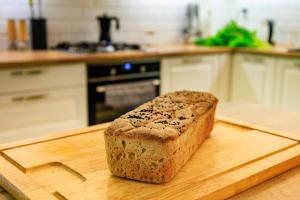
{"x": 75, "y": 20}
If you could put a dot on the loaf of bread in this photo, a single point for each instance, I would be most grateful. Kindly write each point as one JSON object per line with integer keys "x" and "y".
{"x": 152, "y": 142}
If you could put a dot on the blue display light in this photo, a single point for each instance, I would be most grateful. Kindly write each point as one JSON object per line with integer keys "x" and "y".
{"x": 127, "y": 66}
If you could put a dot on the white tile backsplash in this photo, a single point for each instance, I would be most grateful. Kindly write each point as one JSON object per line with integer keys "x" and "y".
{"x": 75, "y": 20}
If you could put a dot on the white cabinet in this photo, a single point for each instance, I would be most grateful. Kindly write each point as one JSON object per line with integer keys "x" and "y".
{"x": 223, "y": 77}
{"x": 199, "y": 73}
{"x": 253, "y": 79}
{"x": 52, "y": 102}
{"x": 271, "y": 81}
{"x": 288, "y": 84}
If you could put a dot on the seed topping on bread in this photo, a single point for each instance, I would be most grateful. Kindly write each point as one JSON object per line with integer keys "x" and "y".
{"x": 172, "y": 113}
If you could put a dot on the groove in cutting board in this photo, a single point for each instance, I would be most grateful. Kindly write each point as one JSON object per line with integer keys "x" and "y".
{"x": 259, "y": 127}
{"x": 56, "y": 168}
{"x": 251, "y": 161}
{"x": 18, "y": 185}
{"x": 229, "y": 184}
{"x": 13, "y": 162}
{"x": 56, "y": 174}
{"x": 17, "y": 144}
{"x": 59, "y": 196}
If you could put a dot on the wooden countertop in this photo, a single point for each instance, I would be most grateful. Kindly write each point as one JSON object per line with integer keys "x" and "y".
{"x": 284, "y": 186}
{"x": 18, "y": 58}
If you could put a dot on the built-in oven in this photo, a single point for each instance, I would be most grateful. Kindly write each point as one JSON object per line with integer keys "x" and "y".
{"x": 100, "y": 77}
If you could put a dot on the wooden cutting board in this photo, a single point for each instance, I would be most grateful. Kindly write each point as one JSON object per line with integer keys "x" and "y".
{"x": 73, "y": 166}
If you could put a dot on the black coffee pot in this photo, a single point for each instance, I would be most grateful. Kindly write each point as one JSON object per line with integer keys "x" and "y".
{"x": 104, "y": 23}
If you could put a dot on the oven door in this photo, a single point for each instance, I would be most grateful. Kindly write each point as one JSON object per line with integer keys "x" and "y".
{"x": 98, "y": 111}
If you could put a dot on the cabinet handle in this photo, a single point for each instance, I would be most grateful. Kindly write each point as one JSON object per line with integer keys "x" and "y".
{"x": 34, "y": 72}
{"x": 191, "y": 61}
{"x": 29, "y": 98}
{"x": 254, "y": 59}
{"x": 16, "y": 73}
{"x": 36, "y": 97}
{"x": 17, "y": 99}
{"x": 29, "y": 72}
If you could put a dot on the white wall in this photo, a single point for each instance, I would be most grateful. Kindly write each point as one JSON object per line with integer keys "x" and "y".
{"x": 74, "y": 20}
{"x": 286, "y": 14}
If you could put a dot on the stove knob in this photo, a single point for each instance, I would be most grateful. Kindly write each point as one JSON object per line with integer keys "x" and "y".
{"x": 113, "y": 71}
{"x": 143, "y": 68}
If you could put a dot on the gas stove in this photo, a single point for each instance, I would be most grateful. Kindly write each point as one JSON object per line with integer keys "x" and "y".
{"x": 92, "y": 47}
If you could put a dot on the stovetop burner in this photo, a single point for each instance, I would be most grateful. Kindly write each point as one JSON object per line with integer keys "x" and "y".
{"x": 91, "y": 47}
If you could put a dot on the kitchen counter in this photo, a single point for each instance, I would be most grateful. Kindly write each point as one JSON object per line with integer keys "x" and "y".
{"x": 285, "y": 186}
{"x": 17, "y": 58}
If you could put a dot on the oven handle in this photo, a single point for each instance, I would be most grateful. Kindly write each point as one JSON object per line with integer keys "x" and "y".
{"x": 101, "y": 89}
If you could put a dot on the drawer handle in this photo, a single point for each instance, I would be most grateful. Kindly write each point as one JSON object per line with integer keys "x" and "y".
{"x": 254, "y": 60}
{"x": 16, "y": 73}
{"x": 191, "y": 61}
{"x": 29, "y": 72}
{"x": 34, "y": 72}
{"x": 17, "y": 99}
{"x": 29, "y": 98}
{"x": 35, "y": 97}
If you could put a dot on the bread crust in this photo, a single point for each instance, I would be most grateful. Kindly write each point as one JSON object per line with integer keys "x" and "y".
{"x": 152, "y": 142}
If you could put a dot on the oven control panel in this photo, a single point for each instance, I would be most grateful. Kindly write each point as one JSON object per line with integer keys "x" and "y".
{"x": 96, "y": 71}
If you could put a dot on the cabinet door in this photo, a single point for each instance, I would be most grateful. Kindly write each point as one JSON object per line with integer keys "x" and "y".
{"x": 288, "y": 85}
{"x": 26, "y": 115}
{"x": 223, "y": 77}
{"x": 253, "y": 78}
{"x": 189, "y": 73}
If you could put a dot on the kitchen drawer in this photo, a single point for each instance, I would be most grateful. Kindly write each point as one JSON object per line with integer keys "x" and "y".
{"x": 189, "y": 60}
{"x": 31, "y": 114}
{"x": 39, "y": 77}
